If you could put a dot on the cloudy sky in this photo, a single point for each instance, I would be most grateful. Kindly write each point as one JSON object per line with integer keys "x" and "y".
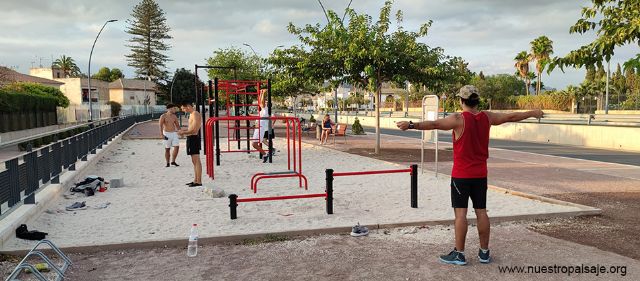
{"x": 486, "y": 33}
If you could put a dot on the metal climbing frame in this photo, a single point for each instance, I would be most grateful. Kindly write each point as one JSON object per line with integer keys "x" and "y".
{"x": 34, "y": 252}
{"x": 234, "y": 90}
{"x": 430, "y": 111}
{"x": 294, "y": 148}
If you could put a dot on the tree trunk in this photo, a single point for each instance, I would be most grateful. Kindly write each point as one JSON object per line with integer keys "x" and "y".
{"x": 538, "y": 84}
{"x": 528, "y": 83}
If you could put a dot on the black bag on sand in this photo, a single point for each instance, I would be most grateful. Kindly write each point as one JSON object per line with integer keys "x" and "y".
{"x": 23, "y": 233}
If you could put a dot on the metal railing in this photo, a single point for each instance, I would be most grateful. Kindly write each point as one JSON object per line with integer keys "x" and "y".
{"x": 25, "y": 174}
{"x": 622, "y": 120}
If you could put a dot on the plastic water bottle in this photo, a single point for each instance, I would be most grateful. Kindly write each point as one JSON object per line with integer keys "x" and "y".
{"x": 192, "y": 249}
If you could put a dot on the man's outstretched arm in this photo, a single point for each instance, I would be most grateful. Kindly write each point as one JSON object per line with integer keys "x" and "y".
{"x": 449, "y": 123}
{"x": 501, "y": 118}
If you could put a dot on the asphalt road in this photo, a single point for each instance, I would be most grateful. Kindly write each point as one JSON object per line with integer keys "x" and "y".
{"x": 610, "y": 156}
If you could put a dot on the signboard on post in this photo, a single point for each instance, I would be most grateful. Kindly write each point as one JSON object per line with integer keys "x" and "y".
{"x": 430, "y": 110}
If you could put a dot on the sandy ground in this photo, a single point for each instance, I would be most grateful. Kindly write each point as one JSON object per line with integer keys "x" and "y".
{"x": 155, "y": 205}
{"x": 393, "y": 254}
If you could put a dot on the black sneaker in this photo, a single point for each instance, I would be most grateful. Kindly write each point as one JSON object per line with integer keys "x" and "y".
{"x": 484, "y": 257}
{"x": 193, "y": 184}
{"x": 174, "y": 164}
{"x": 167, "y": 165}
{"x": 454, "y": 257}
{"x": 266, "y": 157}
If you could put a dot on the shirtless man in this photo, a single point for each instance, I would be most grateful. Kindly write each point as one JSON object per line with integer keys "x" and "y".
{"x": 169, "y": 131}
{"x": 193, "y": 141}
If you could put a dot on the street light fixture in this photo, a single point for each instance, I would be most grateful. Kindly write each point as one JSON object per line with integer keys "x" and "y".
{"x": 89, "y": 72}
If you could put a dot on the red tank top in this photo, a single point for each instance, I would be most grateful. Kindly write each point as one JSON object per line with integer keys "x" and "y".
{"x": 471, "y": 150}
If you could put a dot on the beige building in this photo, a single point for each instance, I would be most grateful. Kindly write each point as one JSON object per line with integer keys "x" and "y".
{"x": 8, "y": 75}
{"x": 76, "y": 89}
{"x": 133, "y": 92}
{"x": 123, "y": 91}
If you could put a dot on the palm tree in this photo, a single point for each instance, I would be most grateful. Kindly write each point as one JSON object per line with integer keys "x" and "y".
{"x": 67, "y": 65}
{"x": 541, "y": 49}
{"x": 522, "y": 65}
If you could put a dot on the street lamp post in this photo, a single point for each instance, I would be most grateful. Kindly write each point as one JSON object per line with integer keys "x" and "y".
{"x": 171, "y": 91}
{"x": 89, "y": 71}
{"x": 256, "y": 54}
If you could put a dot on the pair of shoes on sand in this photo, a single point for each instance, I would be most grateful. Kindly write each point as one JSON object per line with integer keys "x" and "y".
{"x": 359, "y": 230}
{"x": 173, "y": 163}
{"x": 457, "y": 258}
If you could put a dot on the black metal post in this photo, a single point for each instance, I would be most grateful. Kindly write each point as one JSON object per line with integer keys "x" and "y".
{"x": 216, "y": 124}
{"x": 72, "y": 156}
{"x": 14, "y": 181}
{"x": 56, "y": 162}
{"x": 414, "y": 186}
{"x": 32, "y": 177}
{"x": 210, "y": 94}
{"x": 270, "y": 128}
{"x": 202, "y": 110}
{"x": 329, "y": 180}
{"x": 233, "y": 206}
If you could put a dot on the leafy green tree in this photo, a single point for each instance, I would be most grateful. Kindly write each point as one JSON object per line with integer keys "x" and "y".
{"x": 116, "y": 74}
{"x": 108, "y": 75}
{"x": 615, "y": 23}
{"x": 67, "y": 65}
{"x": 248, "y": 66}
{"x": 522, "y": 66}
{"x": 288, "y": 78}
{"x": 183, "y": 89}
{"x": 357, "y": 50}
{"x": 541, "y": 50}
{"x": 149, "y": 30}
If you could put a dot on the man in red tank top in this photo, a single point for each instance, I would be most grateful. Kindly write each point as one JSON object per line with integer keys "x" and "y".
{"x": 469, "y": 173}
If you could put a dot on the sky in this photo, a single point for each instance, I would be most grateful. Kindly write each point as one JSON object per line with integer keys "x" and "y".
{"x": 486, "y": 33}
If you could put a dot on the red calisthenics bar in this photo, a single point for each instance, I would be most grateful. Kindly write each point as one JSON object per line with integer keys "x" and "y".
{"x": 297, "y": 159}
{"x": 371, "y": 172}
{"x": 328, "y": 195}
{"x": 291, "y": 174}
{"x": 282, "y": 197}
{"x": 297, "y": 167}
{"x": 413, "y": 172}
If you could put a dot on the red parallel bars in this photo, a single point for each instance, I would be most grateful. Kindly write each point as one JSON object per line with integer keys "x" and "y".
{"x": 371, "y": 172}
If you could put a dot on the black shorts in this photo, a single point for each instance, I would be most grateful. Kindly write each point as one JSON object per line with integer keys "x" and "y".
{"x": 463, "y": 189}
{"x": 193, "y": 145}
{"x": 266, "y": 135}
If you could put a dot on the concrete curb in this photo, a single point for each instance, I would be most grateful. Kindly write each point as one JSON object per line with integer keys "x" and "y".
{"x": 48, "y": 193}
{"x": 236, "y": 239}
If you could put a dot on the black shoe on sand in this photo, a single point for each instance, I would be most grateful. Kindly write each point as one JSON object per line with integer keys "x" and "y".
{"x": 167, "y": 164}
{"x": 174, "y": 164}
{"x": 193, "y": 184}
{"x": 189, "y": 183}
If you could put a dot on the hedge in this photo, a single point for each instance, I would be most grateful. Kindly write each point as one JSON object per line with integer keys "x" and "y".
{"x": 38, "y": 89}
{"x": 14, "y": 101}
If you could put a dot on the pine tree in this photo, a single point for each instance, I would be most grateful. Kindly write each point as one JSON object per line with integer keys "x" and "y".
{"x": 150, "y": 30}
